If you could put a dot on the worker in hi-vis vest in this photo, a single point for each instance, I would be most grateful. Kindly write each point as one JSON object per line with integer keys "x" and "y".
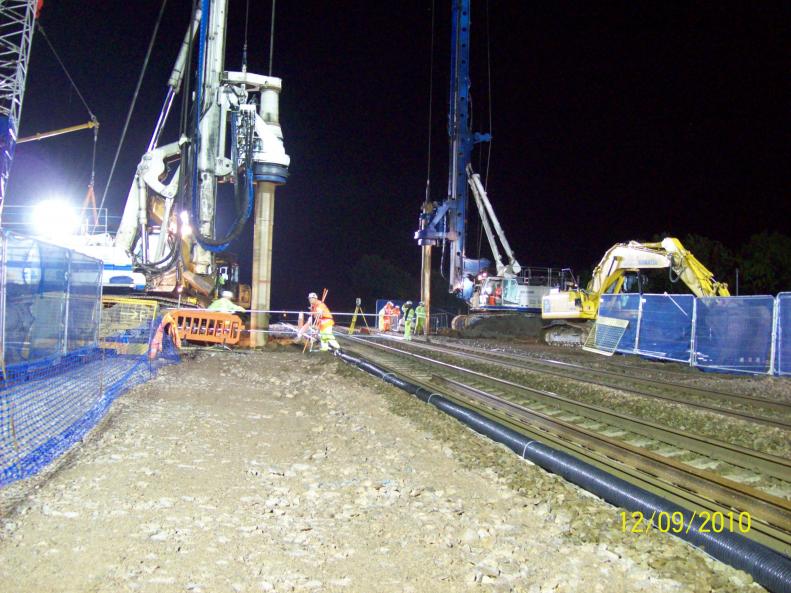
{"x": 420, "y": 318}
{"x": 409, "y": 320}
{"x": 322, "y": 318}
{"x": 224, "y": 304}
{"x": 385, "y": 314}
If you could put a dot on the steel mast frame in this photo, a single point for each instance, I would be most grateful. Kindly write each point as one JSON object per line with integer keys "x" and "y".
{"x": 17, "y": 20}
{"x": 448, "y": 221}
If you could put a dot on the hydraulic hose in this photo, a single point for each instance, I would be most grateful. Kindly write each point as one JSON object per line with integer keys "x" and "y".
{"x": 162, "y": 265}
{"x": 243, "y": 197}
{"x": 767, "y": 567}
{"x": 246, "y": 210}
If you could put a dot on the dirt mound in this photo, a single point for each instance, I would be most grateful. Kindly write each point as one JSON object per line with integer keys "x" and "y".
{"x": 498, "y": 326}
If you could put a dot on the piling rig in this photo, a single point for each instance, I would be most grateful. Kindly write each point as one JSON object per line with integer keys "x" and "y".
{"x": 445, "y": 224}
{"x": 167, "y": 241}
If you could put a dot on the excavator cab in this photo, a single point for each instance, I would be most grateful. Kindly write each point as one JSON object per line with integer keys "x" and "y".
{"x": 633, "y": 283}
{"x": 492, "y": 292}
{"x": 510, "y": 292}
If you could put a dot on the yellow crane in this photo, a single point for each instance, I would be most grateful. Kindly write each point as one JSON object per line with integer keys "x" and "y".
{"x": 42, "y": 135}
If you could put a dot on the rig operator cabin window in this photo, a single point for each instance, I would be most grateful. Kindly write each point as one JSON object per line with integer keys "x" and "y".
{"x": 510, "y": 292}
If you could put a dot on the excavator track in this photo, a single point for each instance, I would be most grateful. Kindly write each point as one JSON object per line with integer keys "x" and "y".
{"x": 566, "y": 333}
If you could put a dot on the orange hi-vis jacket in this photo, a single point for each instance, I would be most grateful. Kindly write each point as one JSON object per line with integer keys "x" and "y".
{"x": 322, "y": 316}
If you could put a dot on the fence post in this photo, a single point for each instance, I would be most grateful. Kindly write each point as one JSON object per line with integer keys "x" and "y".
{"x": 3, "y": 274}
{"x": 67, "y": 272}
{"x": 639, "y": 323}
{"x": 781, "y": 368}
{"x": 97, "y": 311}
{"x": 692, "y": 354}
{"x": 775, "y": 322}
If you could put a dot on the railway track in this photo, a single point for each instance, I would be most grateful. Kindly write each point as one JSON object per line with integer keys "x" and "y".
{"x": 627, "y": 371}
{"x": 750, "y": 408}
{"x": 698, "y": 473}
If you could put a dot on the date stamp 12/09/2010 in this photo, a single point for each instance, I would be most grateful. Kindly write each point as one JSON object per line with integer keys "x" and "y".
{"x": 678, "y": 522}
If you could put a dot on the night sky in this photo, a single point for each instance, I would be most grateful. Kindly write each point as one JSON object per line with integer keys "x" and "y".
{"x": 611, "y": 122}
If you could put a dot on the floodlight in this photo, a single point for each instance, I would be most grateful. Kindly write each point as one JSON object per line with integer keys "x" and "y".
{"x": 55, "y": 218}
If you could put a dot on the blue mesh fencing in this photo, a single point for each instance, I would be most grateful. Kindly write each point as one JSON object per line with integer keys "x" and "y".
{"x": 61, "y": 365}
{"x": 626, "y": 307}
{"x": 734, "y": 333}
{"x": 666, "y": 326}
{"x": 783, "y": 334}
{"x": 45, "y": 409}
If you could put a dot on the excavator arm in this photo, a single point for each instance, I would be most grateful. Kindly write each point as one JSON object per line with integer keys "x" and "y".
{"x": 692, "y": 272}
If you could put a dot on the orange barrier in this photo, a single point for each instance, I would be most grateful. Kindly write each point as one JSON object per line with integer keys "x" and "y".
{"x": 211, "y": 327}
{"x": 166, "y": 326}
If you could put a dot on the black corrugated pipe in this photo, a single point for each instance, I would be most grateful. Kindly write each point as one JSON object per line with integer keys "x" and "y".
{"x": 767, "y": 567}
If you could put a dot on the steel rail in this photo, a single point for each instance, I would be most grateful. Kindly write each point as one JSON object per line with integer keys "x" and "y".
{"x": 776, "y": 466}
{"x": 779, "y": 467}
{"x": 698, "y": 488}
{"x": 650, "y": 474}
{"x": 774, "y": 510}
{"x": 739, "y": 397}
{"x": 525, "y": 365}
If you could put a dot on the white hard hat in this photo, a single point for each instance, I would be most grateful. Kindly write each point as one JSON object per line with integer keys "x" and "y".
{"x": 226, "y": 294}
{"x": 313, "y": 295}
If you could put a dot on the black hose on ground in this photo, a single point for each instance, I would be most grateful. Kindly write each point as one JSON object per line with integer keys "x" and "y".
{"x": 769, "y": 568}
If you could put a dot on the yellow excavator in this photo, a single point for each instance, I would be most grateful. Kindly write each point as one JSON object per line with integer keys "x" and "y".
{"x": 570, "y": 312}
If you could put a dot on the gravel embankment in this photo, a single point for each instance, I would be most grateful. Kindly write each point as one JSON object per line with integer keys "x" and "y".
{"x": 277, "y": 471}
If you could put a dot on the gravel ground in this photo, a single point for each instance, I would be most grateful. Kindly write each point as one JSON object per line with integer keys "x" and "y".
{"x": 277, "y": 471}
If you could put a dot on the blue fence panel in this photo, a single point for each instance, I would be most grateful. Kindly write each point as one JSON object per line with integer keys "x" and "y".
{"x": 380, "y": 303}
{"x": 3, "y": 279}
{"x": 51, "y": 300}
{"x": 48, "y": 331}
{"x": 21, "y": 282}
{"x": 627, "y": 307}
{"x": 734, "y": 333}
{"x": 731, "y": 334}
{"x": 666, "y": 326}
{"x": 84, "y": 302}
{"x": 783, "y": 339}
